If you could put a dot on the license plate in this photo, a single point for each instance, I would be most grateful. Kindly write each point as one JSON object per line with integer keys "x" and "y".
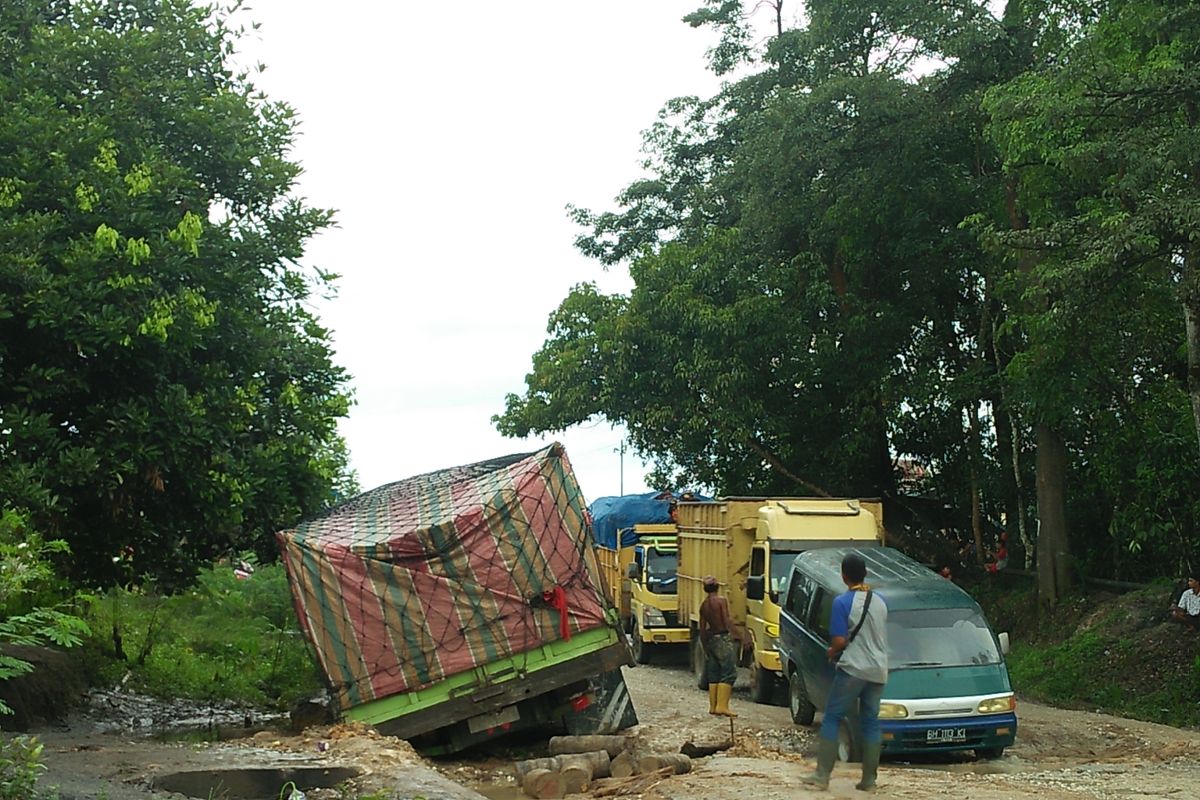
{"x": 484, "y": 722}
{"x": 938, "y": 735}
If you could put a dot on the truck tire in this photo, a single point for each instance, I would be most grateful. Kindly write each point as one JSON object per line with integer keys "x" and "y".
{"x": 641, "y": 649}
{"x": 849, "y": 741}
{"x": 698, "y": 669}
{"x": 762, "y": 683}
{"x": 801, "y": 707}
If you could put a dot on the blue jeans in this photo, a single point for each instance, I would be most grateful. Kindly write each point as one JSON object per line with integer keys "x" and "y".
{"x": 843, "y": 694}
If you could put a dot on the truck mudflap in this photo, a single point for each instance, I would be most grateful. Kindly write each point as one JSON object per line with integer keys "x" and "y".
{"x": 610, "y": 708}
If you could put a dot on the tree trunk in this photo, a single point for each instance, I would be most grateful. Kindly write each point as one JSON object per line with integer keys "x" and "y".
{"x": 677, "y": 761}
{"x": 1191, "y": 318}
{"x": 590, "y": 743}
{"x": 1053, "y": 567}
{"x": 622, "y": 766}
{"x": 543, "y": 784}
{"x": 973, "y": 446}
{"x": 597, "y": 763}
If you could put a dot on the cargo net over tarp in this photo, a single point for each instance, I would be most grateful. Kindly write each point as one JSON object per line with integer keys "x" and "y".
{"x": 428, "y": 577}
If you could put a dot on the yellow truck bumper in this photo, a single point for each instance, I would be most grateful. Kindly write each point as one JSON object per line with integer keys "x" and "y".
{"x": 769, "y": 659}
{"x": 669, "y": 636}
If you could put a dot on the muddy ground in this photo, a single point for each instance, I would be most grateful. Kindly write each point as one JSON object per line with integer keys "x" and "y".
{"x": 1059, "y": 754}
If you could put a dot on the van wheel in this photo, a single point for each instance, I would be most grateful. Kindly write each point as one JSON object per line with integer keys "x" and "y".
{"x": 698, "y": 669}
{"x": 801, "y": 707}
{"x": 762, "y": 683}
{"x": 641, "y": 650}
{"x": 849, "y": 743}
{"x": 989, "y": 753}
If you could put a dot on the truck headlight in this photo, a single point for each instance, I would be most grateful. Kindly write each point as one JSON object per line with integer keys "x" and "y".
{"x": 892, "y": 711}
{"x": 998, "y": 705}
{"x": 653, "y": 617}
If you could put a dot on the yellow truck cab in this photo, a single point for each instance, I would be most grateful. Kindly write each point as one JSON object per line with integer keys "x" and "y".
{"x": 749, "y": 544}
{"x": 638, "y": 564}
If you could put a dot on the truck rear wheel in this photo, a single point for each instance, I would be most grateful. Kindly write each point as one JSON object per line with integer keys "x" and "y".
{"x": 801, "y": 707}
{"x": 698, "y": 668}
{"x": 641, "y": 649}
{"x": 762, "y": 683}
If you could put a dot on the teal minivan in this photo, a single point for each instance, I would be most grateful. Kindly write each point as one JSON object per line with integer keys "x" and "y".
{"x": 948, "y": 686}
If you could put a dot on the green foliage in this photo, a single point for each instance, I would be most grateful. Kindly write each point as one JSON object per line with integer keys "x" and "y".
{"x": 20, "y": 767}
{"x": 166, "y": 394}
{"x": 30, "y": 610}
{"x": 840, "y": 262}
{"x": 225, "y": 638}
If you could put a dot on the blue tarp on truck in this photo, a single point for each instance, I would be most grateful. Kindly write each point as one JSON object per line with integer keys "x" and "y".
{"x": 612, "y": 514}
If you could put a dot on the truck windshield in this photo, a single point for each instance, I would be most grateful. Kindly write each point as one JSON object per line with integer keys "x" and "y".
{"x": 939, "y": 637}
{"x": 660, "y": 570}
{"x": 781, "y": 565}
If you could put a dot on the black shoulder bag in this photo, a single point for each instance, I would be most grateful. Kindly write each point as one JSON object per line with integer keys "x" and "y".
{"x": 858, "y": 627}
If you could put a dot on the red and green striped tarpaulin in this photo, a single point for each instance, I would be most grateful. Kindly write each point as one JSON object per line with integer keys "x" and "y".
{"x": 434, "y": 575}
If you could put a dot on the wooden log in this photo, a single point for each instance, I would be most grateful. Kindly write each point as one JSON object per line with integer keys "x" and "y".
{"x": 622, "y": 766}
{"x": 678, "y": 762}
{"x": 701, "y": 750}
{"x": 597, "y": 763}
{"x": 543, "y": 784}
{"x": 576, "y": 778}
{"x": 524, "y": 767}
{"x": 587, "y": 744}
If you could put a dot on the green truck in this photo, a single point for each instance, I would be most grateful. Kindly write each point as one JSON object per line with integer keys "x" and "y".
{"x": 462, "y": 605}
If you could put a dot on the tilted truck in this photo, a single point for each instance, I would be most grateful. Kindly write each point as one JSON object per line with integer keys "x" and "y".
{"x": 636, "y": 547}
{"x": 748, "y": 544}
{"x": 463, "y": 604}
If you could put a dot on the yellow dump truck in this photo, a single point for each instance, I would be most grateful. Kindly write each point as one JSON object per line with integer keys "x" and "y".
{"x": 637, "y": 550}
{"x": 748, "y": 544}
{"x": 640, "y": 579}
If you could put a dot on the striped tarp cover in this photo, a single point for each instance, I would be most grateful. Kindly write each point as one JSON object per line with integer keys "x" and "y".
{"x": 434, "y": 575}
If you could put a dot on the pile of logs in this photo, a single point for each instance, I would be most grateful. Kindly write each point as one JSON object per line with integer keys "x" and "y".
{"x": 582, "y": 763}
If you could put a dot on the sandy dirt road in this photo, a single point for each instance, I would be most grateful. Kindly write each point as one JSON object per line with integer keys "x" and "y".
{"x": 1059, "y": 754}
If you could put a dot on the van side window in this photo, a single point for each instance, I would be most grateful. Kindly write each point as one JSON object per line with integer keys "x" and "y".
{"x": 799, "y": 594}
{"x": 822, "y": 609}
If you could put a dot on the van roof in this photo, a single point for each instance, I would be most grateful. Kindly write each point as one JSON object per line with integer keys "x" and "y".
{"x": 904, "y": 582}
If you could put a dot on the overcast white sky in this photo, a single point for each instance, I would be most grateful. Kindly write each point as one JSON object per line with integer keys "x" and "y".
{"x": 450, "y": 137}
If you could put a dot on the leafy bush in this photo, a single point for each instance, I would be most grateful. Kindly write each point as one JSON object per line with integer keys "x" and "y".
{"x": 31, "y": 610}
{"x": 20, "y": 767}
{"x": 226, "y": 638}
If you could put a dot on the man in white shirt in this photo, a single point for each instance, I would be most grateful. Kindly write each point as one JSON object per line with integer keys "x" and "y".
{"x": 1187, "y": 610}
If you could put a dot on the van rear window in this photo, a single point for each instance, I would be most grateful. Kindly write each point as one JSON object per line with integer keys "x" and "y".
{"x": 940, "y": 637}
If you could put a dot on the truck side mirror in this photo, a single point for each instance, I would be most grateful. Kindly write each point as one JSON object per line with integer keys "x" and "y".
{"x": 1003, "y": 642}
{"x": 755, "y": 586}
{"x": 633, "y": 571}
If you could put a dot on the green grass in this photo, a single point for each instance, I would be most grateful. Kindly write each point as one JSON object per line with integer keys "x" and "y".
{"x": 224, "y": 639}
{"x": 1127, "y": 660}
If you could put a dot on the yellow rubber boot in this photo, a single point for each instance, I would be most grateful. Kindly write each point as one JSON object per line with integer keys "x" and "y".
{"x": 712, "y": 698}
{"x": 724, "y": 691}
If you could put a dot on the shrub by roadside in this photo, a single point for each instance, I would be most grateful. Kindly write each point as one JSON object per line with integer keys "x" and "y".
{"x": 1115, "y": 653}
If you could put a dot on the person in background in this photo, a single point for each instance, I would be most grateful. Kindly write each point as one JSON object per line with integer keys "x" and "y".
{"x": 1187, "y": 610}
{"x": 859, "y": 653}
{"x": 717, "y": 634}
{"x": 1000, "y": 557}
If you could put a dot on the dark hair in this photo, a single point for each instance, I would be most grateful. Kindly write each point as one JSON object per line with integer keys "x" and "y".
{"x": 854, "y": 568}
{"x": 711, "y": 587}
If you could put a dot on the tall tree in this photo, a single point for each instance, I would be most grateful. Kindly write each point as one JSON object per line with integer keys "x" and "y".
{"x": 165, "y": 393}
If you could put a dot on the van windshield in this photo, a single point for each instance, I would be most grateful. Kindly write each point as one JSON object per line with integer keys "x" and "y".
{"x": 660, "y": 570}
{"x": 940, "y": 637}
